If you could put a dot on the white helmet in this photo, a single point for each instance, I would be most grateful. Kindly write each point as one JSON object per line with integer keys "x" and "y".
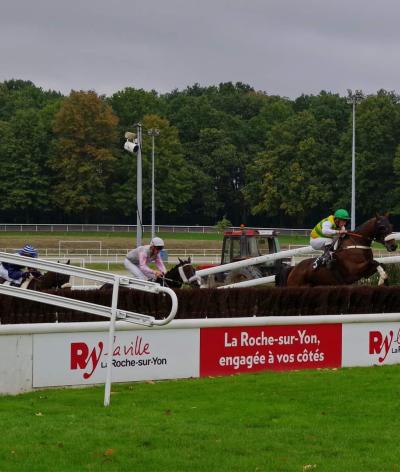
{"x": 158, "y": 242}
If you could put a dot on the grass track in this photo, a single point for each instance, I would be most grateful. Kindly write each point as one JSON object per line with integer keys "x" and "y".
{"x": 326, "y": 420}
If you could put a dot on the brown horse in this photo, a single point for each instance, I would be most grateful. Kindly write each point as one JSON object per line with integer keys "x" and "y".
{"x": 49, "y": 281}
{"x": 35, "y": 280}
{"x": 352, "y": 260}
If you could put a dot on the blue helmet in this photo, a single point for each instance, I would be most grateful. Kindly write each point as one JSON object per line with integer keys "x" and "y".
{"x": 28, "y": 250}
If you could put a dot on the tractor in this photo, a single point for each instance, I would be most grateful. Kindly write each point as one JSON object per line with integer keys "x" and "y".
{"x": 244, "y": 244}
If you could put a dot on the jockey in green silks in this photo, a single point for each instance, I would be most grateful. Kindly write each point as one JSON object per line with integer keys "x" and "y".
{"x": 324, "y": 235}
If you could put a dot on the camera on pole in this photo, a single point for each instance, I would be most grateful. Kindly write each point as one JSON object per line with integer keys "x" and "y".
{"x": 131, "y": 144}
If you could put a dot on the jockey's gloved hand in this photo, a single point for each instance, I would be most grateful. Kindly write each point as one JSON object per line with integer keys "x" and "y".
{"x": 25, "y": 275}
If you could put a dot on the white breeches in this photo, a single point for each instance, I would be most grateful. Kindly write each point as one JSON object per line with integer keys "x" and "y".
{"x": 134, "y": 270}
{"x": 319, "y": 243}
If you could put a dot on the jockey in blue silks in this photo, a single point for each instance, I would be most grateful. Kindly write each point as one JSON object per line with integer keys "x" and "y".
{"x": 15, "y": 273}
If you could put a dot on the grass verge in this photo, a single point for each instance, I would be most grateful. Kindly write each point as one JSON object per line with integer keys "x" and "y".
{"x": 325, "y": 420}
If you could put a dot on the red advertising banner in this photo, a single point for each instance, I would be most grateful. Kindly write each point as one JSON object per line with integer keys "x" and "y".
{"x": 250, "y": 349}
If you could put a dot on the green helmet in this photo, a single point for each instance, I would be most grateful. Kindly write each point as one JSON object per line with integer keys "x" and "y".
{"x": 341, "y": 214}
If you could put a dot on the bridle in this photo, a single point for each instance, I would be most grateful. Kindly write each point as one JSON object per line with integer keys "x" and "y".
{"x": 378, "y": 237}
{"x": 184, "y": 278}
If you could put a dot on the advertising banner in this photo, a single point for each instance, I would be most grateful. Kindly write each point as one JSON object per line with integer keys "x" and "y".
{"x": 250, "y": 349}
{"x": 367, "y": 344}
{"x": 81, "y": 358}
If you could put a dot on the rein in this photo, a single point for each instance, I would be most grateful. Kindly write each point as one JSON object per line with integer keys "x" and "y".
{"x": 357, "y": 246}
{"x": 357, "y": 235}
{"x": 183, "y": 276}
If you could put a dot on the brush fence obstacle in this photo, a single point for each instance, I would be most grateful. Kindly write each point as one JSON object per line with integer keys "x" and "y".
{"x": 112, "y": 312}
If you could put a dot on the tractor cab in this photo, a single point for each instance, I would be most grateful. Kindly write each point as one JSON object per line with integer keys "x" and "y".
{"x": 245, "y": 243}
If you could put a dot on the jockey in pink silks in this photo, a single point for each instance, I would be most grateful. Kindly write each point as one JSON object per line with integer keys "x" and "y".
{"x": 137, "y": 260}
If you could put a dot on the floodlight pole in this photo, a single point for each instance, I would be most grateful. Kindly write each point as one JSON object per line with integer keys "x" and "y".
{"x": 139, "y": 187}
{"x": 353, "y": 98}
{"x": 353, "y": 171}
{"x": 153, "y": 132}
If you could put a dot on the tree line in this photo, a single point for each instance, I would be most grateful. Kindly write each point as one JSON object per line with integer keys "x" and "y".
{"x": 223, "y": 152}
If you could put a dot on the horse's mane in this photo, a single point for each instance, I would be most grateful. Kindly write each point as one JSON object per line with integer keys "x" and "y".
{"x": 362, "y": 226}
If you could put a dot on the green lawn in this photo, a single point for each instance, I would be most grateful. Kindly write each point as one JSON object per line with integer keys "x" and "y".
{"x": 322, "y": 420}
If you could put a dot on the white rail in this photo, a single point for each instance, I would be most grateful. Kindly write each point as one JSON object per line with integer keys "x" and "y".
{"x": 110, "y": 312}
{"x": 251, "y": 283}
{"x": 254, "y": 261}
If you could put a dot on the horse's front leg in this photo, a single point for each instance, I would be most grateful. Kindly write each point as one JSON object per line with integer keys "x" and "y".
{"x": 383, "y": 277}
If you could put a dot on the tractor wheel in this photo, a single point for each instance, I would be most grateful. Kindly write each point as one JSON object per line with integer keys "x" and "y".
{"x": 240, "y": 275}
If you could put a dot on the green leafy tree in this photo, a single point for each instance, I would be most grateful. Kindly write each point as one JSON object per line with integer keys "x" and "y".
{"x": 218, "y": 159}
{"x": 17, "y": 95}
{"x": 294, "y": 174}
{"x": 24, "y": 142}
{"x": 131, "y": 105}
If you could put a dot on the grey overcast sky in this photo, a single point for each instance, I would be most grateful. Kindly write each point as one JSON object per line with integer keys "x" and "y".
{"x": 284, "y": 47}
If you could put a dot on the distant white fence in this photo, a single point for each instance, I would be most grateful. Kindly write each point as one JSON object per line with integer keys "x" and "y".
{"x": 132, "y": 228}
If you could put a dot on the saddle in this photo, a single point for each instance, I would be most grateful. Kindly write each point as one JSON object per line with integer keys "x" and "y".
{"x": 327, "y": 258}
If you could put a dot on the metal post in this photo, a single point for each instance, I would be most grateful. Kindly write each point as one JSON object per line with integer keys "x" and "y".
{"x": 153, "y": 132}
{"x": 353, "y": 171}
{"x": 111, "y": 331}
{"x": 139, "y": 187}
{"x": 153, "y": 204}
{"x": 354, "y": 99}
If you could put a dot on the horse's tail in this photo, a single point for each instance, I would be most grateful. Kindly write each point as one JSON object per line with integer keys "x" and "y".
{"x": 282, "y": 275}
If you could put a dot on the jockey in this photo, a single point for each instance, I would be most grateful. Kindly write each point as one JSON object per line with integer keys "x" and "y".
{"x": 324, "y": 236}
{"x": 14, "y": 273}
{"x": 137, "y": 260}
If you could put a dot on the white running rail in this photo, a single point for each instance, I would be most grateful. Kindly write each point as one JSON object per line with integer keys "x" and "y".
{"x": 112, "y": 312}
{"x": 254, "y": 261}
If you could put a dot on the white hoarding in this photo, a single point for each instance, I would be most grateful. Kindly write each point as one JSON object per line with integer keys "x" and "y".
{"x": 81, "y": 358}
{"x": 15, "y": 363}
{"x": 365, "y": 344}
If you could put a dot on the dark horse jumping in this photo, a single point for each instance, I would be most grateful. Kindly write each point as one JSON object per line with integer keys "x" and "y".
{"x": 353, "y": 258}
{"x": 35, "y": 280}
{"x": 182, "y": 274}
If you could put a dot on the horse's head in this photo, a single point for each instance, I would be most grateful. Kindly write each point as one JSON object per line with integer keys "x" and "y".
{"x": 54, "y": 280}
{"x": 383, "y": 230}
{"x": 187, "y": 273}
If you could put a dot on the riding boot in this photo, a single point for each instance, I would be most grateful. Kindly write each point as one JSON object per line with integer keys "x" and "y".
{"x": 324, "y": 259}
